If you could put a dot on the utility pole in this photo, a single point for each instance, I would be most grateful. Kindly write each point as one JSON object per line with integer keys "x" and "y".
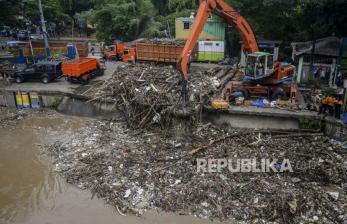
{"x": 44, "y": 30}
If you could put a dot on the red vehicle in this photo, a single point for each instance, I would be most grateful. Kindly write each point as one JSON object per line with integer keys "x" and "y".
{"x": 121, "y": 51}
{"x": 81, "y": 70}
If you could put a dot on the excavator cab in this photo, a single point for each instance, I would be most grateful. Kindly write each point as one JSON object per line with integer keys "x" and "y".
{"x": 259, "y": 65}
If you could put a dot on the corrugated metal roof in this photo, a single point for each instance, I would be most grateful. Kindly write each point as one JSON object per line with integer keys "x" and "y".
{"x": 329, "y": 46}
{"x": 192, "y": 19}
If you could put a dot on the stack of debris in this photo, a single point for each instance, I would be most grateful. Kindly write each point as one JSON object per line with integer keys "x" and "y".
{"x": 134, "y": 172}
{"x": 312, "y": 98}
{"x": 165, "y": 41}
{"x": 6, "y": 70}
{"x": 146, "y": 94}
{"x": 224, "y": 74}
{"x": 11, "y": 116}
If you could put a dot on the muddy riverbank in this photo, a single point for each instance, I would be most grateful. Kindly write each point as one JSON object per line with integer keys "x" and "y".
{"x": 31, "y": 192}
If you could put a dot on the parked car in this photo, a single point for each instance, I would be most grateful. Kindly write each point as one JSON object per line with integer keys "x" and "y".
{"x": 5, "y": 31}
{"x": 36, "y": 36}
{"x": 45, "y": 71}
{"x": 23, "y": 35}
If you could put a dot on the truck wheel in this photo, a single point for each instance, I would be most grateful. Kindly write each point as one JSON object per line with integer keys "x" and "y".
{"x": 45, "y": 79}
{"x": 19, "y": 79}
{"x": 84, "y": 80}
{"x": 279, "y": 94}
{"x": 101, "y": 72}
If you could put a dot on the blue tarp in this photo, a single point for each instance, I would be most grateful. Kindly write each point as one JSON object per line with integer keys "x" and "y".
{"x": 344, "y": 118}
{"x": 258, "y": 103}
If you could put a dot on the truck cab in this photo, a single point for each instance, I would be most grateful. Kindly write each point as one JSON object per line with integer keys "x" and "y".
{"x": 121, "y": 51}
{"x": 45, "y": 71}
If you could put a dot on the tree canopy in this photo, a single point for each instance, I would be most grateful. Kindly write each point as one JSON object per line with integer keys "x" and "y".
{"x": 122, "y": 19}
{"x": 285, "y": 20}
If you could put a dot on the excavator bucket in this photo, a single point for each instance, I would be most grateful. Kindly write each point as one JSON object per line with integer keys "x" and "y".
{"x": 182, "y": 108}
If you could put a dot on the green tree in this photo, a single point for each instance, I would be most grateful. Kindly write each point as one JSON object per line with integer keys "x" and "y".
{"x": 9, "y": 10}
{"x": 286, "y": 20}
{"x": 178, "y": 5}
{"x": 52, "y": 10}
{"x": 123, "y": 19}
{"x": 71, "y": 7}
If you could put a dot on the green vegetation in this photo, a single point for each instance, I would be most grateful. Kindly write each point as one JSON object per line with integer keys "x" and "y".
{"x": 285, "y": 20}
{"x": 54, "y": 102}
{"x": 310, "y": 124}
{"x": 122, "y": 19}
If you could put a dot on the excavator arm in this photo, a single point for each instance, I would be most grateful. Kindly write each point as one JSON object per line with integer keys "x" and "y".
{"x": 231, "y": 17}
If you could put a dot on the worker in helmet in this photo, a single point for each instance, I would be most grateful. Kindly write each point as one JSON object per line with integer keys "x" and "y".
{"x": 332, "y": 104}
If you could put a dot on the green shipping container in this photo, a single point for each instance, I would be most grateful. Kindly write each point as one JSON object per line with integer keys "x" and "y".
{"x": 208, "y": 56}
{"x": 213, "y": 29}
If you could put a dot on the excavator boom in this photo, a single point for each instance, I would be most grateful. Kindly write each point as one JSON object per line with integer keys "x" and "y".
{"x": 231, "y": 17}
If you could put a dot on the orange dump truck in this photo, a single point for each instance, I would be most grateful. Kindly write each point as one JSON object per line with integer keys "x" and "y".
{"x": 81, "y": 70}
{"x": 153, "y": 52}
{"x": 158, "y": 52}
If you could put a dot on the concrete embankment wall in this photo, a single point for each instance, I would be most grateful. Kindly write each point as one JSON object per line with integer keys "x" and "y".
{"x": 82, "y": 106}
{"x": 10, "y": 99}
{"x": 255, "y": 121}
{"x": 278, "y": 121}
{"x": 336, "y": 130}
{"x": 79, "y": 107}
{"x": 65, "y": 103}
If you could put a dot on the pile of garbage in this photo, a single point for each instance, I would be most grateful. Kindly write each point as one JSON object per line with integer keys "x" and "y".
{"x": 147, "y": 94}
{"x": 312, "y": 98}
{"x": 165, "y": 41}
{"x": 135, "y": 171}
{"x": 6, "y": 65}
{"x": 10, "y": 116}
{"x": 140, "y": 168}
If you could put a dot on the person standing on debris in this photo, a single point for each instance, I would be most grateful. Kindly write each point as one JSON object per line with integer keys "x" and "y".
{"x": 327, "y": 76}
{"x": 337, "y": 109}
{"x": 92, "y": 50}
{"x": 318, "y": 72}
{"x": 338, "y": 106}
{"x": 322, "y": 75}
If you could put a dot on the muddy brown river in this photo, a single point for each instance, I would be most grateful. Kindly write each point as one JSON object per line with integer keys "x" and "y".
{"x": 31, "y": 193}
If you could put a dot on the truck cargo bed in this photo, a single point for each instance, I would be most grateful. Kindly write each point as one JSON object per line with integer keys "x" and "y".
{"x": 158, "y": 52}
{"x": 79, "y": 67}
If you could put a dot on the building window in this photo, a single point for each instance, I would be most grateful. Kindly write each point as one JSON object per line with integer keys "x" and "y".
{"x": 217, "y": 44}
{"x": 186, "y": 25}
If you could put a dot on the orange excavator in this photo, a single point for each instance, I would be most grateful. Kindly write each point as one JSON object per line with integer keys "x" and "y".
{"x": 263, "y": 75}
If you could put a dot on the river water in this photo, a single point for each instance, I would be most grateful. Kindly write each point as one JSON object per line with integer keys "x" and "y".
{"x": 31, "y": 193}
